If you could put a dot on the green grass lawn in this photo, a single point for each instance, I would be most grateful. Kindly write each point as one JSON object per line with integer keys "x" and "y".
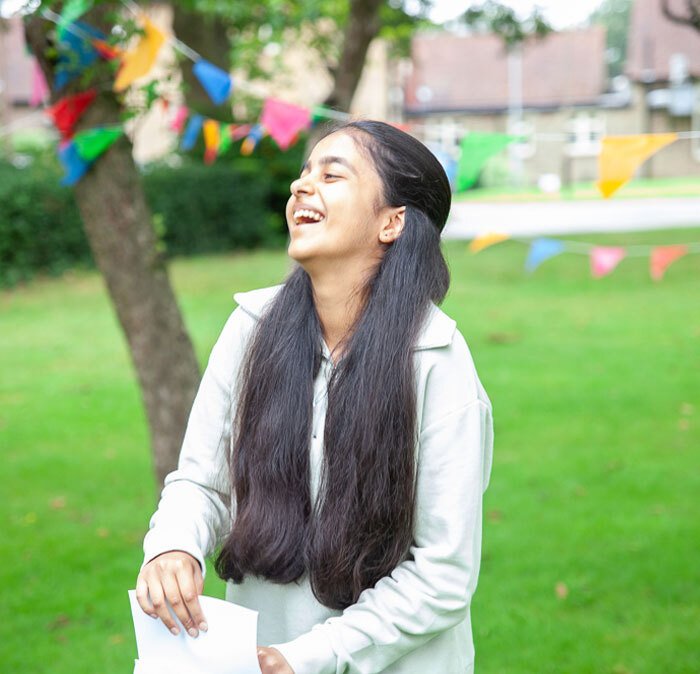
{"x": 592, "y": 519}
{"x": 636, "y": 189}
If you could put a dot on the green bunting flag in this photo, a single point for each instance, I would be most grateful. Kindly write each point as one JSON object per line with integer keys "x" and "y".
{"x": 226, "y": 139}
{"x": 91, "y": 143}
{"x": 72, "y": 10}
{"x": 476, "y": 149}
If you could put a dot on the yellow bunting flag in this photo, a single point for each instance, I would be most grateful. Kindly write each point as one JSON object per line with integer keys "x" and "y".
{"x": 484, "y": 240}
{"x": 139, "y": 61}
{"x": 212, "y": 139}
{"x": 621, "y": 156}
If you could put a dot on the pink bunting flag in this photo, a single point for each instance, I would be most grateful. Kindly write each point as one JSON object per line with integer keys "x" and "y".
{"x": 178, "y": 122}
{"x": 284, "y": 121}
{"x": 604, "y": 259}
{"x": 40, "y": 89}
{"x": 239, "y": 131}
{"x": 662, "y": 257}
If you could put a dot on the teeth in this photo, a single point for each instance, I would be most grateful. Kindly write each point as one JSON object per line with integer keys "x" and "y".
{"x": 303, "y": 212}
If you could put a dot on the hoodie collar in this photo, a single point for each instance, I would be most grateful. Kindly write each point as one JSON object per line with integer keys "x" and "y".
{"x": 437, "y": 330}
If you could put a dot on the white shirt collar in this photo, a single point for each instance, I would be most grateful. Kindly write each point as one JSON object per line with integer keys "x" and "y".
{"x": 437, "y": 330}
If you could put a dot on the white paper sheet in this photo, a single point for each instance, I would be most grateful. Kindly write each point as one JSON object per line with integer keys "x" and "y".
{"x": 229, "y": 646}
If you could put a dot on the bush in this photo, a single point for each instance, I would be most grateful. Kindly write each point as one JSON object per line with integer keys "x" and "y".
{"x": 40, "y": 227}
{"x": 237, "y": 202}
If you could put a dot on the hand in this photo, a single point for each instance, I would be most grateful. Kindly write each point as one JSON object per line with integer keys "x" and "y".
{"x": 177, "y": 576}
{"x": 271, "y": 661}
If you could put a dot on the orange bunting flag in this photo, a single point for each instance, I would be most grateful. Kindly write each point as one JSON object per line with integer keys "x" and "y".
{"x": 212, "y": 139}
{"x": 139, "y": 61}
{"x": 663, "y": 256}
{"x": 604, "y": 259}
{"x": 621, "y": 156}
{"x": 484, "y": 240}
{"x": 257, "y": 131}
{"x": 106, "y": 50}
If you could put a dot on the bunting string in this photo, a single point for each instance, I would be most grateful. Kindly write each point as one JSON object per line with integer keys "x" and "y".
{"x": 258, "y": 91}
{"x": 583, "y": 248}
{"x": 603, "y": 258}
{"x": 619, "y": 158}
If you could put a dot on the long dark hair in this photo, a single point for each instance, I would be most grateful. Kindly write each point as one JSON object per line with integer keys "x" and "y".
{"x": 362, "y": 525}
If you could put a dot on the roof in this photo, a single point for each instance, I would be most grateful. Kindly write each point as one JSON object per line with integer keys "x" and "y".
{"x": 469, "y": 73}
{"x": 654, "y": 39}
{"x": 437, "y": 331}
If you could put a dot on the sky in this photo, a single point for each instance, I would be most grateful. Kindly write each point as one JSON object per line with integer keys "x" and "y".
{"x": 560, "y": 13}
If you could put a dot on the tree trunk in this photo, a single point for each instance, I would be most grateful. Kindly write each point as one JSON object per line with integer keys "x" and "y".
{"x": 361, "y": 28}
{"x": 123, "y": 242}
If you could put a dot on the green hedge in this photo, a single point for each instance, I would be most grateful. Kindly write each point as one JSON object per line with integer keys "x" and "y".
{"x": 237, "y": 202}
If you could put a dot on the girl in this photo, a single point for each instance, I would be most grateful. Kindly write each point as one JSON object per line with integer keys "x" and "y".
{"x": 340, "y": 442}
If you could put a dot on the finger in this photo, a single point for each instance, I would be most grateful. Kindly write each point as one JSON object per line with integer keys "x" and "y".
{"x": 143, "y": 597}
{"x": 172, "y": 592}
{"x": 158, "y": 598}
{"x": 188, "y": 592}
{"x": 198, "y": 579}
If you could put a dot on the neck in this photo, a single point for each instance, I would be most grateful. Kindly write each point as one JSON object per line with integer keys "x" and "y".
{"x": 338, "y": 301}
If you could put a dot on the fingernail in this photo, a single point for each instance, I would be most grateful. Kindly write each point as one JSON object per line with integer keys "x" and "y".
{"x": 175, "y": 630}
{"x": 192, "y": 632}
{"x": 203, "y": 626}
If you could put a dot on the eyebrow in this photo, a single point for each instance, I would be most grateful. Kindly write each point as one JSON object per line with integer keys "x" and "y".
{"x": 330, "y": 160}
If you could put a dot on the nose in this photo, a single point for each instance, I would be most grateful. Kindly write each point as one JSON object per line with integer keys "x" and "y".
{"x": 300, "y": 184}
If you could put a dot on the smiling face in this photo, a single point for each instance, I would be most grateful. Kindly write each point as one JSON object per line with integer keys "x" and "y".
{"x": 341, "y": 184}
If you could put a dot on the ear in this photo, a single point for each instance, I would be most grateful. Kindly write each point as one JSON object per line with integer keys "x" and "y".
{"x": 393, "y": 226}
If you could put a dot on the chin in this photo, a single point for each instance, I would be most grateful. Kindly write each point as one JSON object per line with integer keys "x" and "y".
{"x": 298, "y": 253}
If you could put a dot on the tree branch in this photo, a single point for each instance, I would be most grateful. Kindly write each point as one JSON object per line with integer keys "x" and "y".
{"x": 692, "y": 19}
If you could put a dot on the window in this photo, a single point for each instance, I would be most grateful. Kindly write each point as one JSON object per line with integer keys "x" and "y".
{"x": 584, "y": 132}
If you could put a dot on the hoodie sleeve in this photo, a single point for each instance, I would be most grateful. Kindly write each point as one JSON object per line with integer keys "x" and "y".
{"x": 431, "y": 590}
{"x": 194, "y": 511}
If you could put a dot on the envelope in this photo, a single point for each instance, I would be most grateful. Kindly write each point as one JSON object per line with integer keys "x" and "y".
{"x": 229, "y": 646}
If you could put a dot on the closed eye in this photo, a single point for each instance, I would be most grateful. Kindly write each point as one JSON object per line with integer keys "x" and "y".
{"x": 326, "y": 175}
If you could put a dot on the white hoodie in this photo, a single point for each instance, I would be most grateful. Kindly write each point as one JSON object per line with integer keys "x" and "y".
{"x": 415, "y": 620}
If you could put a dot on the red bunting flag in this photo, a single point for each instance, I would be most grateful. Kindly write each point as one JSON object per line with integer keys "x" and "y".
{"x": 67, "y": 111}
{"x": 662, "y": 257}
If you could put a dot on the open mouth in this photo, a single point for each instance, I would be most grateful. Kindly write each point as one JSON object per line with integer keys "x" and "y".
{"x": 307, "y": 217}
